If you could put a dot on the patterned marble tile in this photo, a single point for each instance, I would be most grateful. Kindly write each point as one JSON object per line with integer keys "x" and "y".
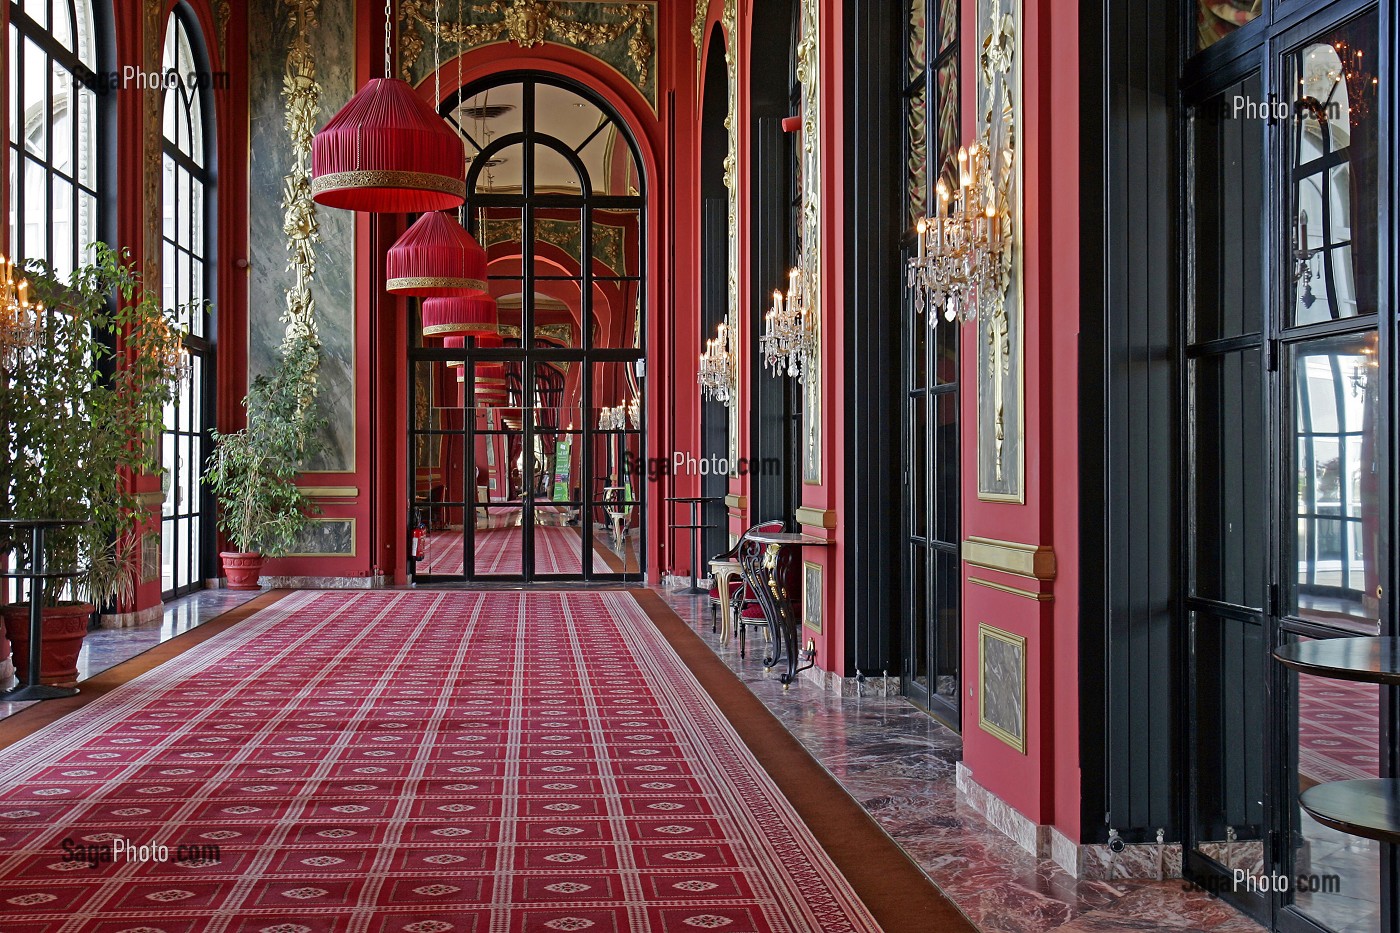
{"x": 106, "y": 648}
{"x": 900, "y": 764}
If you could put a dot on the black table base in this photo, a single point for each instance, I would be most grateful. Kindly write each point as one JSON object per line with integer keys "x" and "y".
{"x": 36, "y": 574}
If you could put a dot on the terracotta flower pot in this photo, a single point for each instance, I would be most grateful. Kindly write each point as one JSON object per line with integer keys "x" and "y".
{"x": 64, "y": 626}
{"x": 242, "y": 569}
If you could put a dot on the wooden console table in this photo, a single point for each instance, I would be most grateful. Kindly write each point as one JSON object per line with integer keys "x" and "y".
{"x": 773, "y": 571}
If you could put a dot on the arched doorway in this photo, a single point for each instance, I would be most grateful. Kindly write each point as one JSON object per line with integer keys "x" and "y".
{"x": 527, "y": 454}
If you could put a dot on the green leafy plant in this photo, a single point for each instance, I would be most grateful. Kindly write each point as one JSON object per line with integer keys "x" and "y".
{"x": 253, "y": 471}
{"x": 83, "y": 413}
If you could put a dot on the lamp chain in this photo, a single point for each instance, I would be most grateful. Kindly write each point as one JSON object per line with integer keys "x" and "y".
{"x": 388, "y": 38}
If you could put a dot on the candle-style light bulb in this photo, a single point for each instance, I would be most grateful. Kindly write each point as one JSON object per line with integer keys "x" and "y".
{"x": 923, "y": 238}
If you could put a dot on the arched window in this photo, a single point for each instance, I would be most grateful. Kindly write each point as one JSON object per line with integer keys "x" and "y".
{"x": 187, "y": 241}
{"x": 57, "y": 131}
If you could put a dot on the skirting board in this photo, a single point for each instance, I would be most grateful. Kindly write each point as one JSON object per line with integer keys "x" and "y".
{"x": 1154, "y": 862}
{"x": 129, "y": 619}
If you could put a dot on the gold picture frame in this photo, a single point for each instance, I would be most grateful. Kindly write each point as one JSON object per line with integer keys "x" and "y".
{"x": 1001, "y": 675}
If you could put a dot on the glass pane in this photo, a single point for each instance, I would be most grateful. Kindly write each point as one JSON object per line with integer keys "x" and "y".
{"x": 1334, "y": 165}
{"x": 492, "y": 114}
{"x": 916, "y": 39}
{"x": 916, "y": 150}
{"x": 1335, "y": 736}
{"x": 15, "y": 109}
{"x": 565, "y": 115}
{"x": 64, "y": 104}
{"x": 32, "y": 103}
{"x": 616, "y": 313}
{"x": 616, "y": 397}
{"x": 169, "y": 196}
{"x": 502, "y": 173}
{"x": 1230, "y": 547}
{"x": 943, "y": 443}
{"x": 1229, "y": 204}
{"x": 500, "y": 537}
{"x": 64, "y": 235}
{"x": 944, "y": 149}
{"x": 554, "y": 174}
{"x": 38, "y": 10}
{"x": 919, "y": 332}
{"x": 611, "y": 168}
{"x": 87, "y": 140}
{"x": 945, "y": 620}
{"x": 498, "y": 230}
{"x": 616, "y": 242}
{"x": 167, "y": 555}
{"x": 918, "y": 466}
{"x": 557, "y": 309}
{"x": 1216, "y": 19}
{"x": 918, "y": 614}
{"x": 558, "y": 242}
{"x": 196, "y": 209}
{"x": 1230, "y": 692}
{"x": 948, "y": 13}
{"x": 1334, "y": 571}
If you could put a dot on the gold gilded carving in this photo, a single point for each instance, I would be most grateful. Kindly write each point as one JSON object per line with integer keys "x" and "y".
{"x": 302, "y": 95}
{"x": 697, "y": 27}
{"x": 527, "y": 23}
{"x": 434, "y": 281}
{"x": 1000, "y": 380}
{"x": 221, "y": 17}
{"x": 153, "y": 103}
{"x": 809, "y": 258}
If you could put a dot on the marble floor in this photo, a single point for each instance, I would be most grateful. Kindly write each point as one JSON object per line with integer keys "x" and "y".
{"x": 107, "y": 648}
{"x": 898, "y": 762}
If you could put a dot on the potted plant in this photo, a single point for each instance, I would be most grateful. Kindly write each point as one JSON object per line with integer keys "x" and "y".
{"x": 253, "y": 471}
{"x": 82, "y": 403}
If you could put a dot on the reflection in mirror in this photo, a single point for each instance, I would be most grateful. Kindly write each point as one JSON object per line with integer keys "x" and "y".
{"x": 615, "y": 313}
{"x": 612, "y": 170}
{"x": 1216, "y": 19}
{"x": 1336, "y": 737}
{"x": 498, "y": 230}
{"x": 1335, "y": 547}
{"x": 558, "y": 241}
{"x": 491, "y": 114}
{"x": 1334, "y": 148}
{"x": 554, "y": 174}
{"x": 616, "y": 242}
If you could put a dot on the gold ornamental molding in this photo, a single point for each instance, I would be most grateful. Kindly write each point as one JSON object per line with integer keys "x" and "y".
{"x": 330, "y": 492}
{"x": 1023, "y": 560}
{"x": 732, "y": 501}
{"x": 816, "y": 518}
{"x": 302, "y": 94}
{"x": 1013, "y": 590}
{"x": 621, "y": 33}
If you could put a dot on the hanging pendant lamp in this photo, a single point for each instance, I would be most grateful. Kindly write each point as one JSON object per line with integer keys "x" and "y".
{"x": 436, "y": 258}
{"x": 455, "y": 343}
{"x": 387, "y": 151}
{"x": 460, "y": 316}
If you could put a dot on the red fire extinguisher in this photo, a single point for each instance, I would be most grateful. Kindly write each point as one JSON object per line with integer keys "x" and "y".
{"x": 420, "y": 534}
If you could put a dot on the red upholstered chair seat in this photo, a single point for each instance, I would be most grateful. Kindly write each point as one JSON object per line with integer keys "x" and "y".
{"x": 734, "y": 583}
{"x": 753, "y": 611}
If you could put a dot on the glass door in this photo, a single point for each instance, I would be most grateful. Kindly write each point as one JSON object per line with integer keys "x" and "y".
{"x": 932, "y": 627}
{"x": 1288, "y": 382}
{"x": 529, "y": 443}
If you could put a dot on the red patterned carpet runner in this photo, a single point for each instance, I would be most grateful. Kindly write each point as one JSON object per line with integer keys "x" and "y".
{"x": 558, "y": 550}
{"x": 410, "y": 761}
{"x": 1339, "y": 729}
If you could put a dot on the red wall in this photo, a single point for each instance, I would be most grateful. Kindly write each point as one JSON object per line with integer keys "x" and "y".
{"x": 1044, "y": 783}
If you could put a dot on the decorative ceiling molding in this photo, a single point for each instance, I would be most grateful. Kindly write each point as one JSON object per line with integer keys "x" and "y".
{"x": 621, "y": 34}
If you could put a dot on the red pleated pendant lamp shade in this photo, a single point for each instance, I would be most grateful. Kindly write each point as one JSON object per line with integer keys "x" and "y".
{"x": 461, "y": 316}
{"x": 491, "y": 375}
{"x": 455, "y": 343}
{"x": 388, "y": 152}
{"x": 436, "y": 258}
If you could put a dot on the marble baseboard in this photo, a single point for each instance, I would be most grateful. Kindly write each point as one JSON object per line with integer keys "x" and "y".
{"x": 130, "y": 619}
{"x": 1137, "y": 862}
{"x": 836, "y": 685}
{"x": 324, "y": 583}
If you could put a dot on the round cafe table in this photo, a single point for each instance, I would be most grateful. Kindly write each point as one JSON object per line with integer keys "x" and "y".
{"x": 1369, "y": 808}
